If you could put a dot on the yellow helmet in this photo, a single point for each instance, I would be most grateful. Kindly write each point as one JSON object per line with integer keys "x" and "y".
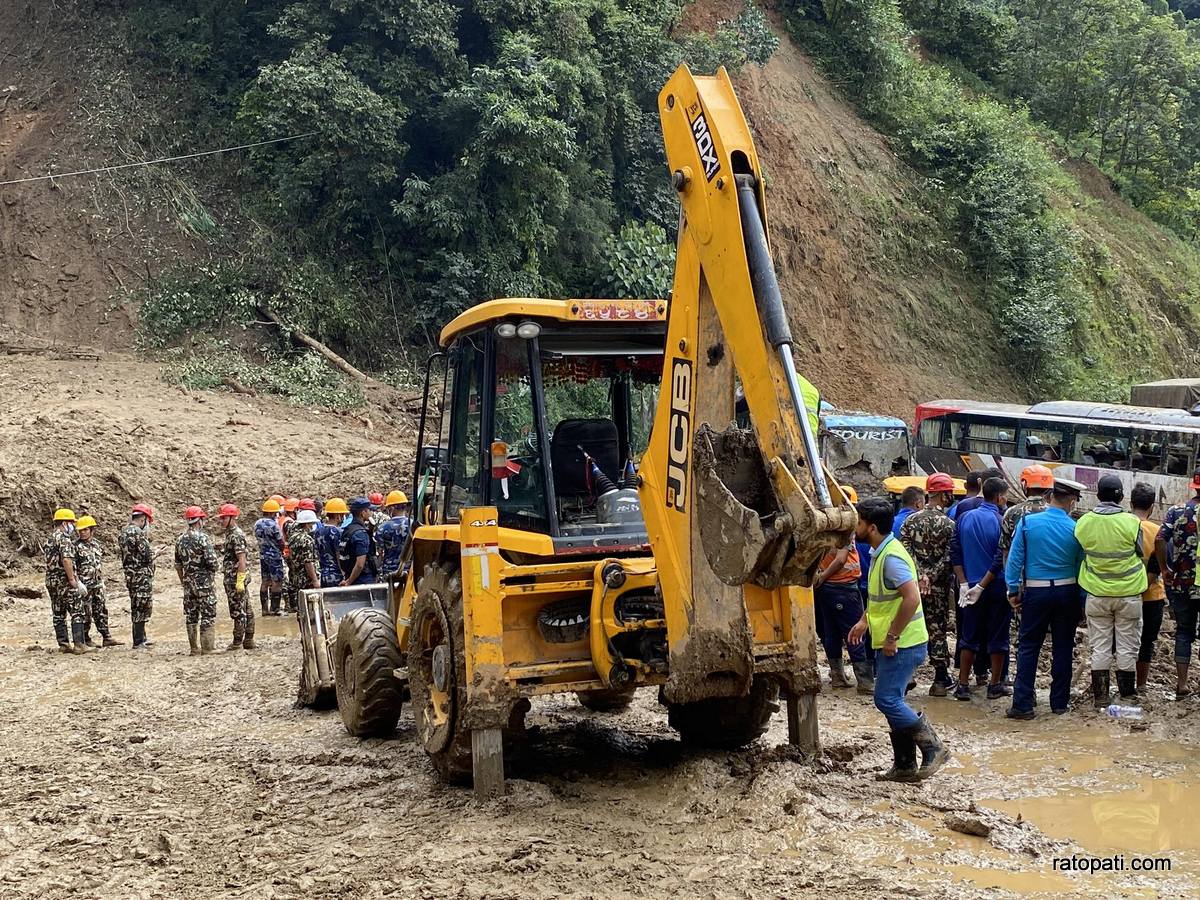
{"x": 62, "y": 514}
{"x": 850, "y": 492}
{"x": 395, "y": 498}
{"x": 270, "y": 505}
{"x": 336, "y": 506}
{"x": 84, "y": 522}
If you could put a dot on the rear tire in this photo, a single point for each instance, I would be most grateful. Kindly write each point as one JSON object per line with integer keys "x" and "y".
{"x": 608, "y": 700}
{"x": 369, "y": 696}
{"x": 726, "y": 723}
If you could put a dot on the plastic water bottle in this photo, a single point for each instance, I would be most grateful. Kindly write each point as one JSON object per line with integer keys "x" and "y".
{"x": 1117, "y": 711}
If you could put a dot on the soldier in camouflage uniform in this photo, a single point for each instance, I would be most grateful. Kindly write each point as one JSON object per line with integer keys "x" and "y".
{"x": 196, "y": 565}
{"x": 302, "y": 554}
{"x": 137, "y": 561}
{"x": 63, "y": 585}
{"x": 234, "y": 551}
{"x": 926, "y": 535}
{"x": 88, "y": 559}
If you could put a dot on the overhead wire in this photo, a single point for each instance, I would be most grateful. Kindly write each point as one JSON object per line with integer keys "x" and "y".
{"x": 155, "y": 162}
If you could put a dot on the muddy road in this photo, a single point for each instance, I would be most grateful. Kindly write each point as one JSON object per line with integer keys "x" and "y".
{"x": 155, "y": 774}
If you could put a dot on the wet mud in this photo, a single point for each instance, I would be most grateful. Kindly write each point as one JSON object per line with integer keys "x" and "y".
{"x": 155, "y": 774}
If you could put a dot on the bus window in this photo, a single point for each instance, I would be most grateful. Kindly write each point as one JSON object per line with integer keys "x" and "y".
{"x": 1102, "y": 446}
{"x": 954, "y": 437}
{"x": 1146, "y": 451}
{"x": 1181, "y": 454}
{"x": 997, "y": 440}
{"x": 1042, "y": 444}
{"x": 930, "y": 433}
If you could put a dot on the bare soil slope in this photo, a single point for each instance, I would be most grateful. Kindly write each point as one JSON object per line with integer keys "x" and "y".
{"x": 110, "y": 432}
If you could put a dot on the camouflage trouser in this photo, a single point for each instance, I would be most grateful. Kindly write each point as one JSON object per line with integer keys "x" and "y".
{"x": 141, "y": 595}
{"x": 95, "y": 608}
{"x": 64, "y": 604}
{"x": 199, "y": 604}
{"x": 937, "y": 605}
{"x": 240, "y": 609}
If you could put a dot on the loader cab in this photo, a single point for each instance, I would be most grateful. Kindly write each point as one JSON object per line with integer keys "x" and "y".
{"x": 545, "y": 413}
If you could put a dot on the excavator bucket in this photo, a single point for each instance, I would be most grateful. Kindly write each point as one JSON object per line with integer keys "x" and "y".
{"x": 748, "y": 531}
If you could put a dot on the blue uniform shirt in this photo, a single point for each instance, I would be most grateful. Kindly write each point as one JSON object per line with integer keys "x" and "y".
{"x": 903, "y": 514}
{"x": 328, "y": 537}
{"x": 360, "y": 545}
{"x": 1043, "y": 549}
{"x": 391, "y": 538}
{"x": 976, "y": 537}
{"x": 270, "y": 541}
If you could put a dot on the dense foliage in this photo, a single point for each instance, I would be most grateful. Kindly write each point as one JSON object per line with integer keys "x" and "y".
{"x": 1118, "y": 80}
{"x": 458, "y": 150}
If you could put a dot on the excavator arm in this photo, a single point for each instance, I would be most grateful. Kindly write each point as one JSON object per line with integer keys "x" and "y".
{"x": 735, "y": 518}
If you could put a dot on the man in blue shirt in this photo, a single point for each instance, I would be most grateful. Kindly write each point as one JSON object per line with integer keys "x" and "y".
{"x": 984, "y": 613}
{"x": 1043, "y": 564}
{"x": 392, "y": 535}
{"x": 356, "y": 552}
{"x": 911, "y": 501}
{"x": 972, "y": 485}
{"x": 974, "y": 497}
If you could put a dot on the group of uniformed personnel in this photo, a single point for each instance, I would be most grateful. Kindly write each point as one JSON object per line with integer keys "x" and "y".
{"x": 359, "y": 542}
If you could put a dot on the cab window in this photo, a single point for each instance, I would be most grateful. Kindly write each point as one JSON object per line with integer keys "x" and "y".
{"x": 466, "y": 486}
{"x": 520, "y": 496}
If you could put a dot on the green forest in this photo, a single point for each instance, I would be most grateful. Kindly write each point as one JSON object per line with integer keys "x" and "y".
{"x": 455, "y": 151}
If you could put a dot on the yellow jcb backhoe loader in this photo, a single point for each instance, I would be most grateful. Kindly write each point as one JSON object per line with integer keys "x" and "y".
{"x": 589, "y": 518}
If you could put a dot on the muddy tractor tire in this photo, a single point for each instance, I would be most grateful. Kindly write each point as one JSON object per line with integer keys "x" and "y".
{"x": 610, "y": 700}
{"x": 437, "y": 674}
{"x": 369, "y": 696}
{"x": 726, "y": 723}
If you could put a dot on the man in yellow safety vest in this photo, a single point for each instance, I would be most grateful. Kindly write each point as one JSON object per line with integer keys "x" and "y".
{"x": 1114, "y": 577}
{"x": 897, "y": 628}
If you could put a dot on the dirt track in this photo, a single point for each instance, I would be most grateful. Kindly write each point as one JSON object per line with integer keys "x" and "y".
{"x": 160, "y": 775}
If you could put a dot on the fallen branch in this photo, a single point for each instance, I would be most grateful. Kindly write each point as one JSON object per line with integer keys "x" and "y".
{"x": 312, "y": 343}
{"x": 237, "y": 387}
{"x": 374, "y": 460}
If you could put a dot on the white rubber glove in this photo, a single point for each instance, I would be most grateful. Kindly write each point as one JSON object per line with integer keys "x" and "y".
{"x": 81, "y": 589}
{"x": 964, "y": 594}
{"x": 974, "y": 594}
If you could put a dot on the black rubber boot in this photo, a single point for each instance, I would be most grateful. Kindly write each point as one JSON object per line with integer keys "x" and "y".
{"x": 1126, "y": 685}
{"x": 193, "y": 633}
{"x": 276, "y": 597}
{"x": 933, "y": 752}
{"x": 139, "y": 634}
{"x": 904, "y": 758}
{"x": 264, "y": 599}
{"x": 208, "y": 639}
{"x": 79, "y": 639}
{"x": 248, "y": 637}
{"x": 63, "y": 638}
{"x": 837, "y": 674}
{"x": 1100, "y": 695}
{"x": 865, "y": 677}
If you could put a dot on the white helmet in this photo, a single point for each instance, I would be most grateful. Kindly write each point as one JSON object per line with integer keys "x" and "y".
{"x": 306, "y": 517}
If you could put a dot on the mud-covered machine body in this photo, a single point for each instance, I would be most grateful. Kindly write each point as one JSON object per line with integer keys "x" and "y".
{"x": 589, "y": 519}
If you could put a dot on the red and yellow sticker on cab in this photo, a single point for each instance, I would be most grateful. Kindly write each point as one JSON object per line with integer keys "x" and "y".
{"x": 619, "y": 310}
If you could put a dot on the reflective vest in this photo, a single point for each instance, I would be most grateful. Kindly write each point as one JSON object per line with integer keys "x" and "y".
{"x": 851, "y": 570}
{"x": 812, "y": 402}
{"x": 882, "y": 603}
{"x": 1111, "y": 564}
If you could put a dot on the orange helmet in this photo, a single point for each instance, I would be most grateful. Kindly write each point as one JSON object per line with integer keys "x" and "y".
{"x": 1037, "y": 477}
{"x": 308, "y": 503}
{"x": 195, "y": 512}
{"x": 278, "y": 498}
{"x": 939, "y": 482}
{"x": 376, "y": 498}
{"x": 228, "y": 509}
{"x": 290, "y": 504}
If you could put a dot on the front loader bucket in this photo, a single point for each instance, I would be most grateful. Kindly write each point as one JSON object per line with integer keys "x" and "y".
{"x": 748, "y": 532}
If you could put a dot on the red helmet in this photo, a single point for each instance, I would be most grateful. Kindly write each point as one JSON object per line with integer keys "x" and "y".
{"x": 1037, "y": 476}
{"x": 229, "y": 509}
{"x": 195, "y": 512}
{"x": 308, "y": 503}
{"x": 141, "y": 509}
{"x": 939, "y": 482}
{"x": 376, "y": 498}
{"x": 290, "y": 504}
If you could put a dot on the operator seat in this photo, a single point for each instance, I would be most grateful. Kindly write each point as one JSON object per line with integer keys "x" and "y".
{"x": 599, "y": 438}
